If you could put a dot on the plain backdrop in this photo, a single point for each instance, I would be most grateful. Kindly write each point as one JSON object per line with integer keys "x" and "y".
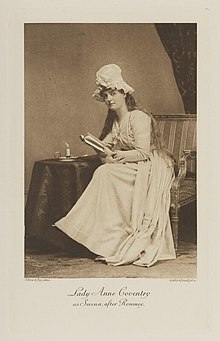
{"x": 61, "y": 61}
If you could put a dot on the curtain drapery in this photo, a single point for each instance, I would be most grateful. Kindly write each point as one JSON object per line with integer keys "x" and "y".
{"x": 180, "y": 42}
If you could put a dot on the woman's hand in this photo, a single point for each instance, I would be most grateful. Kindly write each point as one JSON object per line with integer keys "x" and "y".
{"x": 119, "y": 156}
{"x": 108, "y": 159}
{"x": 113, "y": 157}
{"x": 108, "y": 152}
{"x": 107, "y": 156}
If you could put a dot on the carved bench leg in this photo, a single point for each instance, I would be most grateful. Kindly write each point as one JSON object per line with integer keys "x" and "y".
{"x": 175, "y": 225}
{"x": 175, "y": 208}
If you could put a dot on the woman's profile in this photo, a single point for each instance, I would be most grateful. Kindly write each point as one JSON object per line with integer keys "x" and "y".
{"x": 123, "y": 215}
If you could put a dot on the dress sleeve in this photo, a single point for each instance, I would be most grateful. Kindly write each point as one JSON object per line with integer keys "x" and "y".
{"x": 140, "y": 124}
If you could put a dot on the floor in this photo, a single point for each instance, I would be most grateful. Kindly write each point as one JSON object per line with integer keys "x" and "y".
{"x": 44, "y": 261}
{"x": 58, "y": 264}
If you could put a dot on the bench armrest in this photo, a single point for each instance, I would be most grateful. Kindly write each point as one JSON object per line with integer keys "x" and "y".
{"x": 183, "y": 167}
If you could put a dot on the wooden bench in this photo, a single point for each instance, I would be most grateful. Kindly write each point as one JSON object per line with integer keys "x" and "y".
{"x": 179, "y": 136}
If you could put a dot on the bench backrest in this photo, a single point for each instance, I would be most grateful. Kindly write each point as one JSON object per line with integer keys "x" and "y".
{"x": 178, "y": 133}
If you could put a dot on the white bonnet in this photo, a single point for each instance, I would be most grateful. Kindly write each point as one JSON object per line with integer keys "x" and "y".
{"x": 109, "y": 76}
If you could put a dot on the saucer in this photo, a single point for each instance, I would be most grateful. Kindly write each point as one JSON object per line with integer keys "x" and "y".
{"x": 65, "y": 160}
{"x": 71, "y": 158}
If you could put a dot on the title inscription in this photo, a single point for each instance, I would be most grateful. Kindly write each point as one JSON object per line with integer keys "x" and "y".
{"x": 103, "y": 297}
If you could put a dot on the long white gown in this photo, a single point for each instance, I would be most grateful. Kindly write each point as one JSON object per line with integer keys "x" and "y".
{"x": 123, "y": 215}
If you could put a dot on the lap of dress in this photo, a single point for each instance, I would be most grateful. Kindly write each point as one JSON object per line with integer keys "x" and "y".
{"x": 123, "y": 215}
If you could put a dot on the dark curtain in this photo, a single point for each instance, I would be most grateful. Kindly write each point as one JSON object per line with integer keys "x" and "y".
{"x": 180, "y": 42}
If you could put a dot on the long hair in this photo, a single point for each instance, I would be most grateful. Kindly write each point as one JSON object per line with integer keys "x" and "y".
{"x": 156, "y": 139}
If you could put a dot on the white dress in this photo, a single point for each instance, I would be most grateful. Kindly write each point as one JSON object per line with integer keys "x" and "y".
{"x": 123, "y": 215}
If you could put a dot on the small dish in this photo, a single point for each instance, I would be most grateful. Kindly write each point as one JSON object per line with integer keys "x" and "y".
{"x": 64, "y": 158}
{"x": 71, "y": 158}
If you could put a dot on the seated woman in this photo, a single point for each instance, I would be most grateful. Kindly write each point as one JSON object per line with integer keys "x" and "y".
{"x": 123, "y": 215}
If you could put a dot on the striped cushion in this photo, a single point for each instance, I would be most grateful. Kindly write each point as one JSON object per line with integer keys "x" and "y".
{"x": 178, "y": 133}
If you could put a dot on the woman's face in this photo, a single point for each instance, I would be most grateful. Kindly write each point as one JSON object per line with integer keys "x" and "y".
{"x": 114, "y": 99}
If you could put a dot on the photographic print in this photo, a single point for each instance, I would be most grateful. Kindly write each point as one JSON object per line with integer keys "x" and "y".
{"x": 110, "y": 150}
{"x": 110, "y": 229}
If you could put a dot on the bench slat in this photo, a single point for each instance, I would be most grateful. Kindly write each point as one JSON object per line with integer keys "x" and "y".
{"x": 178, "y": 133}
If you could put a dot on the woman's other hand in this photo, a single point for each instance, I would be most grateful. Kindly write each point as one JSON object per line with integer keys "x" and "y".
{"x": 119, "y": 156}
{"x": 107, "y": 156}
{"x": 108, "y": 152}
{"x": 114, "y": 157}
{"x": 108, "y": 159}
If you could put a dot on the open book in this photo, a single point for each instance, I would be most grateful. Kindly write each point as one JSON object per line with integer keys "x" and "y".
{"x": 93, "y": 142}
